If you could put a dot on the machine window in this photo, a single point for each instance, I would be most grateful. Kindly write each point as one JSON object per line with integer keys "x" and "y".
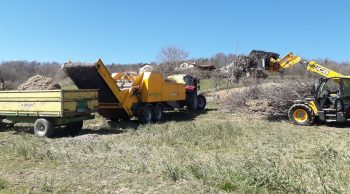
{"x": 346, "y": 87}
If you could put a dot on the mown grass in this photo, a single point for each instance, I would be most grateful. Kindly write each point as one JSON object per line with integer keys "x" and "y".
{"x": 206, "y": 153}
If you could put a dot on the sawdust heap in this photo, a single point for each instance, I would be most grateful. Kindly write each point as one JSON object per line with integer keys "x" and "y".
{"x": 39, "y": 82}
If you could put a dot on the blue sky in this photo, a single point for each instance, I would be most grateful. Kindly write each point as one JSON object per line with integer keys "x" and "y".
{"x": 132, "y": 31}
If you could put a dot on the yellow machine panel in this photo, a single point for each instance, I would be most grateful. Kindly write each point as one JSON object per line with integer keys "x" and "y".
{"x": 156, "y": 89}
{"x": 173, "y": 91}
{"x": 151, "y": 88}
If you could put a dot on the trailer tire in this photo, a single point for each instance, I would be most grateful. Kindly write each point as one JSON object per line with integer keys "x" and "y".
{"x": 74, "y": 128}
{"x": 158, "y": 113}
{"x": 201, "y": 102}
{"x": 147, "y": 114}
{"x": 43, "y": 128}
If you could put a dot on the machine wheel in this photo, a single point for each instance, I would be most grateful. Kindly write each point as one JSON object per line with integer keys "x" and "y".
{"x": 191, "y": 101}
{"x": 147, "y": 115}
{"x": 43, "y": 128}
{"x": 301, "y": 114}
{"x": 201, "y": 102}
{"x": 74, "y": 128}
{"x": 158, "y": 113}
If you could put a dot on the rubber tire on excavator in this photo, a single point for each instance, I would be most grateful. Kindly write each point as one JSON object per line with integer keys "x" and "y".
{"x": 74, "y": 128}
{"x": 43, "y": 128}
{"x": 147, "y": 114}
{"x": 201, "y": 102}
{"x": 310, "y": 117}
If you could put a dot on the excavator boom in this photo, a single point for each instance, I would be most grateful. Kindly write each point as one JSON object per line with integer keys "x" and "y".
{"x": 291, "y": 60}
{"x": 321, "y": 70}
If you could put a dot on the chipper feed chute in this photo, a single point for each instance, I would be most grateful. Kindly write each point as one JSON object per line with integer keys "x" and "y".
{"x": 96, "y": 76}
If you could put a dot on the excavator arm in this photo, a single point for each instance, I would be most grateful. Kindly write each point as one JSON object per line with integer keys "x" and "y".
{"x": 321, "y": 70}
{"x": 291, "y": 60}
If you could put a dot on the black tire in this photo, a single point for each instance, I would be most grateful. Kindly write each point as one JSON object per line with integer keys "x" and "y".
{"x": 74, "y": 128}
{"x": 43, "y": 128}
{"x": 158, "y": 113}
{"x": 301, "y": 114}
{"x": 201, "y": 102}
{"x": 191, "y": 101}
{"x": 147, "y": 114}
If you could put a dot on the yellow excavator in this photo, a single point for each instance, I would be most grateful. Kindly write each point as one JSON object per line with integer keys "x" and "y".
{"x": 330, "y": 99}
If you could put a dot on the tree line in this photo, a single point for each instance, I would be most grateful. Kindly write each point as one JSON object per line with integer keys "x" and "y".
{"x": 16, "y": 72}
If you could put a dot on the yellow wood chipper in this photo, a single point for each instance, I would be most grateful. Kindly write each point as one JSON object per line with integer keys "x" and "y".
{"x": 145, "y": 96}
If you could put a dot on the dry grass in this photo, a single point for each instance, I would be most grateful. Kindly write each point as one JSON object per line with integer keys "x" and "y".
{"x": 207, "y": 153}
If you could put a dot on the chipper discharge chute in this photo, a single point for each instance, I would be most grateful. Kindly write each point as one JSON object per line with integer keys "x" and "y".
{"x": 96, "y": 76}
{"x": 146, "y": 97}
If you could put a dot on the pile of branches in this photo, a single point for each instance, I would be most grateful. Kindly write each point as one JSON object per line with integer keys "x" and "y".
{"x": 242, "y": 64}
{"x": 270, "y": 100}
{"x": 253, "y": 62}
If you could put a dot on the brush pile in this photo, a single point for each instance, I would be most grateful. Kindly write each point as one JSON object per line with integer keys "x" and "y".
{"x": 270, "y": 100}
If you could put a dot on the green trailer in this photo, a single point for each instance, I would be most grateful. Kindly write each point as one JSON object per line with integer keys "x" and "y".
{"x": 49, "y": 108}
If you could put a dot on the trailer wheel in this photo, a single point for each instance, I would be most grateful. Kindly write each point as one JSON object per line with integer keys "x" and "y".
{"x": 201, "y": 102}
{"x": 43, "y": 128}
{"x": 74, "y": 128}
{"x": 158, "y": 113}
{"x": 147, "y": 115}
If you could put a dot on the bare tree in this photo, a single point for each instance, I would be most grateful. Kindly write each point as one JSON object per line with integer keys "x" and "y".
{"x": 219, "y": 60}
{"x": 172, "y": 55}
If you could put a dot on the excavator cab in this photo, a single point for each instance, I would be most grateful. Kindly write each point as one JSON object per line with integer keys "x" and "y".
{"x": 333, "y": 99}
{"x": 328, "y": 93}
{"x": 330, "y": 103}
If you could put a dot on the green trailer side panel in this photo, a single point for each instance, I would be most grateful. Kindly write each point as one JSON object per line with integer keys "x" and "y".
{"x": 48, "y": 103}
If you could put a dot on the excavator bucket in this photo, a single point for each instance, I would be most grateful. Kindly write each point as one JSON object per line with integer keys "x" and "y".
{"x": 96, "y": 76}
{"x": 262, "y": 58}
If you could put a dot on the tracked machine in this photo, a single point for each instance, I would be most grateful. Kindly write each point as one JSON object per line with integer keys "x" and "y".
{"x": 330, "y": 99}
{"x": 145, "y": 96}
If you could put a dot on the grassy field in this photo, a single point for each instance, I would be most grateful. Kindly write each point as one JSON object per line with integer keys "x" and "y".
{"x": 211, "y": 152}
